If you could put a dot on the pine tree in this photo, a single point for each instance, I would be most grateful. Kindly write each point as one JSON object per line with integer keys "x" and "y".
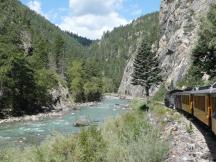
{"x": 146, "y": 70}
{"x": 59, "y": 54}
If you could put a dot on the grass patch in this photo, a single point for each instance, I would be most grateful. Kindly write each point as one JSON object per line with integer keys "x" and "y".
{"x": 160, "y": 95}
{"x": 137, "y": 103}
{"x": 159, "y": 109}
{"x": 128, "y": 138}
{"x": 189, "y": 128}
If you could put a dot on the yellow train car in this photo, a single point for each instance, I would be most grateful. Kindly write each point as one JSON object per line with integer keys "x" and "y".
{"x": 187, "y": 103}
{"x": 201, "y": 108}
{"x": 200, "y": 102}
{"x": 184, "y": 101}
{"x": 213, "y": 112}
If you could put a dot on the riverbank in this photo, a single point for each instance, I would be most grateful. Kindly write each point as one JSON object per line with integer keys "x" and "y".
{"x": 126, "y": 97}
{"x": 54, "y": 113}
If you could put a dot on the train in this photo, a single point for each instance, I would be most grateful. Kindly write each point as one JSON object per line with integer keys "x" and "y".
{"x": 198, "y": 102}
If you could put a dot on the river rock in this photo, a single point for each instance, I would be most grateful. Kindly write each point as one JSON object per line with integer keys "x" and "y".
{"x": 82, "y": 122}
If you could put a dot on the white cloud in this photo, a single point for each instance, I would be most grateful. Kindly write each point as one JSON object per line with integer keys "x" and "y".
{"x": 92, "y": 26}
{"x": 92, "y": 18}
{"x": 81, "y": 7}
{"x": 35, "y": 5}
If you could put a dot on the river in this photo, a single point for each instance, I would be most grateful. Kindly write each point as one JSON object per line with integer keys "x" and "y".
{"x": 31, "y": 133}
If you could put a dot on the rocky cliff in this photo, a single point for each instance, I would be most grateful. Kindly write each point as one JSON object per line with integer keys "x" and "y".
{"x": 179, "y": 26}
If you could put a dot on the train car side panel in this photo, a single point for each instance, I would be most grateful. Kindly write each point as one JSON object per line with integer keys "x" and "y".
{"x": 186, "y": 103}
{"x": 201, "y": 104}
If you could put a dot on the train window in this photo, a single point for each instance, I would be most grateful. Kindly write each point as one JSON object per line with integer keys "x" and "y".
{"x": 199, "y": 102}
{"x": 186, "y": 100}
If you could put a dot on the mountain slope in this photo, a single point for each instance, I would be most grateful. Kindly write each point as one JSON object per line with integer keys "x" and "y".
{"x": 82, "y": 40}
{"x": 34, "y": 57}
{"x": 32, "y": 28}
{"x": 115, "y": 48}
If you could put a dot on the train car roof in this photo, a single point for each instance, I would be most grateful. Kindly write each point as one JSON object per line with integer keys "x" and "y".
{"x": 183, "y": 93}
{"x": 211, "y": 90}
{"x": 202, "y": 91}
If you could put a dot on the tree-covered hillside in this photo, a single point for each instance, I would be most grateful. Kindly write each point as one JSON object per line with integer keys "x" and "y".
{"x": 34, "y": 29}
{"x": 35, "y": 56}
{"x": 84, "y": 41}
{"x": 116, "y": 47}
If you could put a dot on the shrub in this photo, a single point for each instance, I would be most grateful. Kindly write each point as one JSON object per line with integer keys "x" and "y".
{"x": 132, "y": 138}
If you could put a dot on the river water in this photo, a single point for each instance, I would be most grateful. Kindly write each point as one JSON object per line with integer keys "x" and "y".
{"x": 31, "y": 133}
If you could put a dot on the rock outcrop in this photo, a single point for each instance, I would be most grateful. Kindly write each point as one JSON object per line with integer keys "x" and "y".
{"x": 26, "y": 38}
{"x": 180, "y": 22}
{"x": 61, "y": 97}
{"x": 179, "y": 26}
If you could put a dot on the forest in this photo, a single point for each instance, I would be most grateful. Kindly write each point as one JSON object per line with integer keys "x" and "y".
{"x": 34, "y": 59}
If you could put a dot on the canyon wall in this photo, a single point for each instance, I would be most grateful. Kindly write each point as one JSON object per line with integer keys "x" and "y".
{"x": 179, "y": 27}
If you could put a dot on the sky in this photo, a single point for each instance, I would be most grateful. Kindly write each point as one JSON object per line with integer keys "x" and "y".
{"x": 91, "y": 18}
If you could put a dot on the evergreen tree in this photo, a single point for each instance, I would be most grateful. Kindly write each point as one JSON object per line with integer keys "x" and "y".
{"x": 40, "y": 57}
{"x": 59, "y": 54}
{"x": 146, "y": 70}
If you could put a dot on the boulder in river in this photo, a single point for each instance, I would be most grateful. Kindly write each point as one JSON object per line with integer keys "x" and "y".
{"x": 82, "y": 122}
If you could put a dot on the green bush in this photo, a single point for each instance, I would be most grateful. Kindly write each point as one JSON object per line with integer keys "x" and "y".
{"x": 85, "y": 81}
{"x": 132, "y": 138}
{"x": 91, "y": 146}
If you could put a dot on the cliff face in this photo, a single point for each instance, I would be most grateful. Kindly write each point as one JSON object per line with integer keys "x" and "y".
{"x": 179, "y": 21}
{"x": 179, "y": 26}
